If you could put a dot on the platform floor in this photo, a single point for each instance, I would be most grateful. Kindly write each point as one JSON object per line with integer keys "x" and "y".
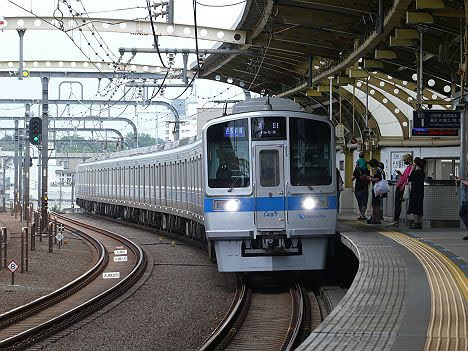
{"x": 410, "y": 293}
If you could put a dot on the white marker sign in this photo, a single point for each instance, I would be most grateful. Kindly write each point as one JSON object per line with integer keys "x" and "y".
{"x": 120, "y": 258}
{"x": 111, "y": 275}
{"x": 13, "y": 266}
{"x": 120, "y": 252}
{"x": 59, "y": 236}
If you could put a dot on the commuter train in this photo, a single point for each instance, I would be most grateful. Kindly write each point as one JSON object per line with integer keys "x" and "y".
{"x": 259, "y": 187}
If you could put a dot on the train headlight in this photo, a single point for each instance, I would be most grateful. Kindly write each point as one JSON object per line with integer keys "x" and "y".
{"x": 232, "y": 205}
{"x": 309, "y": 203}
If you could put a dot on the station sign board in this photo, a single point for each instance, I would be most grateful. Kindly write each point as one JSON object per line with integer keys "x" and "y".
{"x": 435, "y": 132}
{"x": 436, "y": 119}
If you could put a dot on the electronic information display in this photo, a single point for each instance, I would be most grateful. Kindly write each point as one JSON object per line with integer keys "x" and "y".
{"x": 271, "y": 128}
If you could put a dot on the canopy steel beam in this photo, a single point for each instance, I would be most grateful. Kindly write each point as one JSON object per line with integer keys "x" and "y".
{"x": 213, "y": 64}
{"x": 392, "y": 108}
{"x": 66, "y": 65}
{"x": 68, "y": 24}
{"x": 187, "y": 51}
{"x": 109, "y": 75}
{"x": 392, "y": 20}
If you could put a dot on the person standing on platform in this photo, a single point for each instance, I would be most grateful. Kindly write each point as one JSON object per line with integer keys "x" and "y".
{"x": 339, "y": 188}
{"x": 384, "y": 196}
{"x": 463, "y": 213}
{"x": 400, "y": 188}
{"x": 361, "y": 186}
{"x": 376, "y": 200}
{"x": 416, "y": 199}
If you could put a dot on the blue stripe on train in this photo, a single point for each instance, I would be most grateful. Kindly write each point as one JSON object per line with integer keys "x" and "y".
{"x": 247, "y": 204}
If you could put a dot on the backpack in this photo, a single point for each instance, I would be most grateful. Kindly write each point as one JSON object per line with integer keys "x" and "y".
{"x": 363, "y": 178}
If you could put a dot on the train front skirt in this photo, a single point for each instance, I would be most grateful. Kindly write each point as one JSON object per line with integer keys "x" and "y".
{"x": 309, "y": 254}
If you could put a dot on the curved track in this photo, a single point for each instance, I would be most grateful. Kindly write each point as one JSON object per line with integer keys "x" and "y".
{"x": 47, "y": 315}
{"x": 263, "y": 320}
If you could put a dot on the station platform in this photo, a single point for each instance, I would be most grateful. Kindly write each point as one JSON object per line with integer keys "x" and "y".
{"x": 410, "y": 292}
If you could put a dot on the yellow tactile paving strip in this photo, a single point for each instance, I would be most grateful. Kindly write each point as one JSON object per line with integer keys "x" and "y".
{"x": 448, "y": 326}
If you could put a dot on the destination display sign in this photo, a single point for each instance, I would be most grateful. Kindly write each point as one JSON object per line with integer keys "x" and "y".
{"x": 436, "y": 119}
{"x": 434, "y": 132}
{"x": 268, "y": 128}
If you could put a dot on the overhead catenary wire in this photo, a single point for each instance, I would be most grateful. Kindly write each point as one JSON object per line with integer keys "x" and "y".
{"x": 155, "y": 37}
{"x": 55, "y": 26}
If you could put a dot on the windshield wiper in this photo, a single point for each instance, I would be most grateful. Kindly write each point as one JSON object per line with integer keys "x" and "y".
{"x": 233, "y": 184}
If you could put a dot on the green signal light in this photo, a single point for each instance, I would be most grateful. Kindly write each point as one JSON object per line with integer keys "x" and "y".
{"x": 36, "y": 138}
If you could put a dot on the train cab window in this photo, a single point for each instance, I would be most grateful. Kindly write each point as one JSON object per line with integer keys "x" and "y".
{"x": 311, "y": 159}
{"x": 228, "y": 154}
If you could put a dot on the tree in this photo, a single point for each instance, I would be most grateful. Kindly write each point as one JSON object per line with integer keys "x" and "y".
{"x": 6, "y": 143}
{"x": 68, "y": 144}
{"x": 143, "y": 140}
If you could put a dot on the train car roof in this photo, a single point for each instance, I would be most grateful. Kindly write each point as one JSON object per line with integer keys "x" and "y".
{"x": 144, "y": 152}
{"x": 266, "y": 103}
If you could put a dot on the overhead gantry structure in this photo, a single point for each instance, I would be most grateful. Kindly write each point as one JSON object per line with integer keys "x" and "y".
{"x": 400, "y": 54}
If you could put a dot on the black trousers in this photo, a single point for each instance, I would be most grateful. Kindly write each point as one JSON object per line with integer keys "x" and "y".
{"x": 398, "y": 201}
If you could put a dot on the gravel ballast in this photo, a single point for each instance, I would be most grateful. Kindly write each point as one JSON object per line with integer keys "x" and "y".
{"x": 47, "y": 271}
{"x": 177, "y": 308}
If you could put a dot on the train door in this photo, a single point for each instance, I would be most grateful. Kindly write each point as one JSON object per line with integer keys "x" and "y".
{"x": 270, "y": 187}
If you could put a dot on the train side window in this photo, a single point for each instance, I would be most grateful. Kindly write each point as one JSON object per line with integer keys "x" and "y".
{"x": 124, "y": 182}
{"x": 164, "y": 174}
{"x": 134, "y": 184}
{"x": 140, "y": 183}
{"x": 186, "y": 184}
{"x": 177, "y": 182}
{"x": 156, "y": 185}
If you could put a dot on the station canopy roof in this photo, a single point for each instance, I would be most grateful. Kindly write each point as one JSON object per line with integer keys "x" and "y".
{"x": 299, "y": 44}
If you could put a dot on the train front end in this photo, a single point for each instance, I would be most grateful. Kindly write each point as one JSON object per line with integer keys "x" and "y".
{"x": 270, "y": 187}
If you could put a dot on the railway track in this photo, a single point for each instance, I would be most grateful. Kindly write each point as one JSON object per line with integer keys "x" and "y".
{"x": 112, "y": 273}
{"x": 276, "y": 319}
{"x": 256, "y": 319}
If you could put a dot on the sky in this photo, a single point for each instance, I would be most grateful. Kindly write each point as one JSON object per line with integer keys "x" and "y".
{"x": 55, "y": 45}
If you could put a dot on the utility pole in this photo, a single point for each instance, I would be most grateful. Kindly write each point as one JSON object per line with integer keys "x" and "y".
{"x": 45, "y": 152}
{"x": 27, "y": 163}
{"x": 20, "y": 169}
{"x": 21, "y": 63}
{"x": 4, "y": 185}
{"x": 15, "y": 162}
{"x": 39, "y": 178}
{"x": 73, "y": 193}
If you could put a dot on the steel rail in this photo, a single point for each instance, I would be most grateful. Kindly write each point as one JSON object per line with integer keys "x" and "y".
{"x": 221, "y": 336}
{"x": 80, "y": 310}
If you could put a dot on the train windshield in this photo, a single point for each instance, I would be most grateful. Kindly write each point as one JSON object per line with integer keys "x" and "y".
{"x": 311, "y": 159}
{"x": 228, "y": 155}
